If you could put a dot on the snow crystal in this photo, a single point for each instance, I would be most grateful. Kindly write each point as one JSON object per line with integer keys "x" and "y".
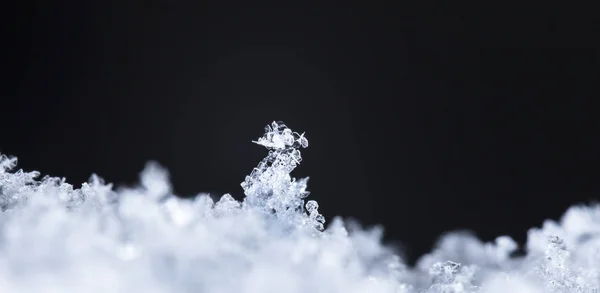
{"x": 55, "y": 238}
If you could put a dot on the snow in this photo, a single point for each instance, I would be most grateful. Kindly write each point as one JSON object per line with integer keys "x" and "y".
{"x": 54, "y": 238}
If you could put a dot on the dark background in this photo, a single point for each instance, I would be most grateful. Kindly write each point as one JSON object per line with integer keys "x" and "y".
{"x": 421, "y": 116}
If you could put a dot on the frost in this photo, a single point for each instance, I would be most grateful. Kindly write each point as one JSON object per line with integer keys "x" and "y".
{"x": 270, "y": 185}
{"x": 451, "y": 277}
{"x": 56, "y": 238}
{"x": 317, "y": 219}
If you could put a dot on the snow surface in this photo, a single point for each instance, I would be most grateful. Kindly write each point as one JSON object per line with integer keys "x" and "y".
{"x": 54, "y": 238}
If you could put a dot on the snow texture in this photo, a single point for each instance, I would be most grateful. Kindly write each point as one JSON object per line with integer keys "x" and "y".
{"x": 54, "y": 238}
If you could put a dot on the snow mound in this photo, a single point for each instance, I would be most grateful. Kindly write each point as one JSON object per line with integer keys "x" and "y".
{"x": 54, "y": 238}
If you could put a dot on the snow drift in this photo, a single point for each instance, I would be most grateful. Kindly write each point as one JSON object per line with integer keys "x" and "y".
{"x": 54, "y": 238}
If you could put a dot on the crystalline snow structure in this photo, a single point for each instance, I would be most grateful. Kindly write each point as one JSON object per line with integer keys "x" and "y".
{"x": 270, "y": 184}
{"x": 54, "y": 238}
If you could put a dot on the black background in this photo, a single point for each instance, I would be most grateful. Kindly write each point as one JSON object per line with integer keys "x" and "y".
{"x": 421, "y": 116}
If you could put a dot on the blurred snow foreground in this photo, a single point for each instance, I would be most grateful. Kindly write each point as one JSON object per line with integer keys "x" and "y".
{"x": 54, "y": 238}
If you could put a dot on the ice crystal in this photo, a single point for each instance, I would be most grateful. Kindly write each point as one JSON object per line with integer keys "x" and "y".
{"x": 56, "y": 238}
{"x": 451, "y": 277}
{"x": 270, "y": 184}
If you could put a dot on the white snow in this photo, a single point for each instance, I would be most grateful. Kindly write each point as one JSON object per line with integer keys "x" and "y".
{"x": 54, "y": 238}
